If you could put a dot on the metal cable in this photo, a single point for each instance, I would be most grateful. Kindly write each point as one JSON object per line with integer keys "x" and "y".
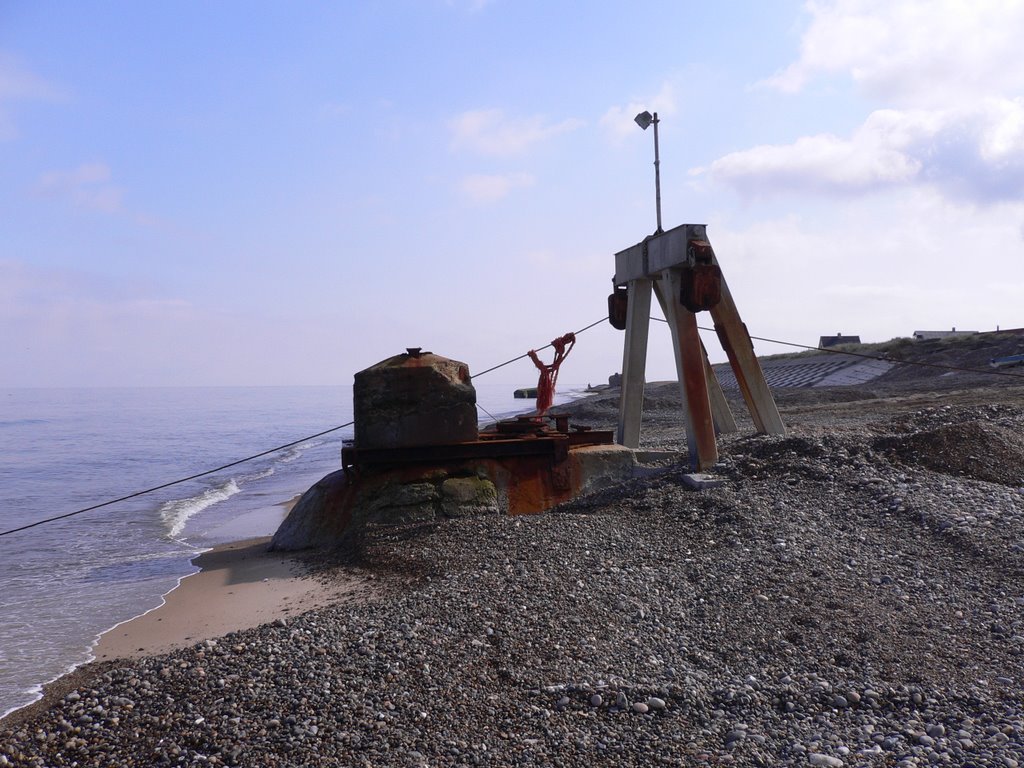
{"x": 527, "y": 354}
{"x": 885, "y": 359}
{"x": 882, "y": 358}
{"x": 494, "y": 418}
{"x": 482, "y": 373}
{"x": 240, "y": 461}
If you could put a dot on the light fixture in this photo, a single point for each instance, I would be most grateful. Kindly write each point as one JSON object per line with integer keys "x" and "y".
{"x": 645, "y": 119}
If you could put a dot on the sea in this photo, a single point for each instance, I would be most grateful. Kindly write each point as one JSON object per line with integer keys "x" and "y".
{"x": 65, "y": 582}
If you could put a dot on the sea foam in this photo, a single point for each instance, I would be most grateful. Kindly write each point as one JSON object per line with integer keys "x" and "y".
{"x": 176, "y": 514}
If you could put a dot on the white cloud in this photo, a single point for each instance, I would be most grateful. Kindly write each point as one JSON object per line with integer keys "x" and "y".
{"x": 618, "y": 120}
{"x": 925, "y": 53}
{"x": 880, "y": 269}
{"x": 1002, "y": 135}
{"x": 87, "y": 186}
{"x": 974, "y": 153}
{"x": 19, "y": 84}
{"x": 491, "y": 132}
{"x": 951, "y": 76}
{"x": 814, "y": 163}
{"x": 483, "y": 188}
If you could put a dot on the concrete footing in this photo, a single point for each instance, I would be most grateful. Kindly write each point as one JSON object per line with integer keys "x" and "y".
{"x": 701, "y": 481}
{"x": 423, "y": 492}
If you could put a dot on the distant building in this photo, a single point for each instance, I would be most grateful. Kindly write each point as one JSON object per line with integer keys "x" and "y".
{"x": 824, "y": 342}
{"x": 926, "y": 335}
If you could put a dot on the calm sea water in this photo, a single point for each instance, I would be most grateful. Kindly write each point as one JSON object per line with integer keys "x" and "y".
{"x": 64, "y": 583}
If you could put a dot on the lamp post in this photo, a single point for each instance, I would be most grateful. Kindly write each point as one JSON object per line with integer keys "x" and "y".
{"x": 645, "y": 119}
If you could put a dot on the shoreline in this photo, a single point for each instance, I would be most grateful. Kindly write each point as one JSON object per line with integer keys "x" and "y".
{"x": 285, "y": 588}
{"x": 235, "y": 553}
{"x": 238, "y": 586}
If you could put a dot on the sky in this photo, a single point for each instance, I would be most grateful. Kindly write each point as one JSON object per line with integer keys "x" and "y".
{"x": 270, "y": 193}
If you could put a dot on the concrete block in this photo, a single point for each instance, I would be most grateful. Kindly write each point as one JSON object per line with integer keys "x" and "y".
{"x": 600, "y": 466}
{"x": 701, "y": 482}
{"x": 461, "y": 496}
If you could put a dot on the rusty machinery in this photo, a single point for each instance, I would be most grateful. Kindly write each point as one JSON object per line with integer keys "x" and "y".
{"x": 416, "y": 412}
{"x": 531, "y": 458}
{"x": 681, "y": 269}
{"x": 550, "y": 437}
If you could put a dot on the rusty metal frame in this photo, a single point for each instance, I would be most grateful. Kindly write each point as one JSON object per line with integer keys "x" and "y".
{"x": 658, "y": 262}
{"x": 556, "y": 445}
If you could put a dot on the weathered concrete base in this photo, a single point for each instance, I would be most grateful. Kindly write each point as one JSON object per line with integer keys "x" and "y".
{"x": 318, "y": 516}
{"x": 700, "y": 482}
{"x": 423, "y": 493}
{"x": 337, "y": 502}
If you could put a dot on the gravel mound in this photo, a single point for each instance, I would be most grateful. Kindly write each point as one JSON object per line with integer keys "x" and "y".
{"x": 982, "y": 449}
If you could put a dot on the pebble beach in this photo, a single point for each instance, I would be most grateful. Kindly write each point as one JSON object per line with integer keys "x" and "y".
{"x": 851, "y": 595}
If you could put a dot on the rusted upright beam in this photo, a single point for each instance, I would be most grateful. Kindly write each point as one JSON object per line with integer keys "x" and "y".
{"x": 725, "y": 422}
{"x": 691, "y": 371}
{"x": 740, "y": 350}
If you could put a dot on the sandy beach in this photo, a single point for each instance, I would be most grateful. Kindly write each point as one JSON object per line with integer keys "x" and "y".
{"x": 238, "y": 586}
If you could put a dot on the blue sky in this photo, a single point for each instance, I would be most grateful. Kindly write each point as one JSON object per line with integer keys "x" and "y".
{"x": 271, "y": 193}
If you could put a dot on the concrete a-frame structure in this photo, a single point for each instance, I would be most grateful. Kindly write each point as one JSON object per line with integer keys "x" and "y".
{"x": 671, "y": 264}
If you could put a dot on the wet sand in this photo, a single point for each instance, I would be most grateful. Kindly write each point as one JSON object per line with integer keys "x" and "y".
{"x": 240, "y": 585}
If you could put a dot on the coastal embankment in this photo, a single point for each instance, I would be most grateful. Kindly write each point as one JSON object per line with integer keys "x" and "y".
{"x": 853, "y": 594}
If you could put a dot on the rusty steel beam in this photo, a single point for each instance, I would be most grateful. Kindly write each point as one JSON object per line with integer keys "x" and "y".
{"x": 690, "y": 367}
{"x": 554, "y": 445}
{"x": 725, "y": 422}
{"x": 735, "y": 339}
{"x": 481, "y": 449}
{"x": 698, "y": 398}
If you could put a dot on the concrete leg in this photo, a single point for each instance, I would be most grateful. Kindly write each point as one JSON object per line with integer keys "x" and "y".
{"x": 690, "y": 368}
{"x": 634, "y": 363}
{"x": 737, "y": 345}
{"x": 725, "y": 422}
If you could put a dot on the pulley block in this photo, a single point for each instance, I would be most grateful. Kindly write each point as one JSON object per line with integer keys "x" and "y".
{"x": 618, "y": 304}
{"x": 701, "y": 287}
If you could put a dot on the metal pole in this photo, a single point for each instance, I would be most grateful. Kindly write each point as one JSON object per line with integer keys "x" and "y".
{"x": 657, "y": 175}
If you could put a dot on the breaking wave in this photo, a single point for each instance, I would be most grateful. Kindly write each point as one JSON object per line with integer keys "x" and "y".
{"x": 176, "y": 514}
